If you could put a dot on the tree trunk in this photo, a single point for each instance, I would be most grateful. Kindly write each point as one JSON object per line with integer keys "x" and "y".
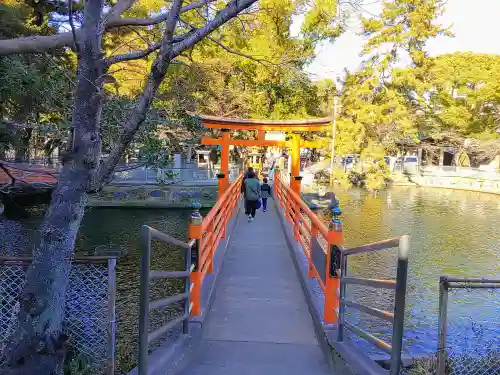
{"x": 38, "y": 344}
{"x": 23, "y": 144}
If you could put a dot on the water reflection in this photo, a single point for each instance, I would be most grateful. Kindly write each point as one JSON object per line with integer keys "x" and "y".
{"x": 118, "y": 229}
{"x": 453, "y": 233}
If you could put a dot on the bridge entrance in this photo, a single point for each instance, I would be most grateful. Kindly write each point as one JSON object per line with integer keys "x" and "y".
{"x": 269, "y": 295}
{"x": 295, "y": 127}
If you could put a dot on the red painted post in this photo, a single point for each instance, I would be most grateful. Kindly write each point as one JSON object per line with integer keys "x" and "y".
{"x": 195, "y": 232}
{"x": 224, "y": 157}
{"x": 332, "y": 288}
{"x": 296, "y": 206}
{"x": 221, "y": 180}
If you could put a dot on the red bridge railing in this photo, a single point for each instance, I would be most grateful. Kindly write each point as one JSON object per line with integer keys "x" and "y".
{"x": 321, "y": 245}
{"x": 207, "y": 232}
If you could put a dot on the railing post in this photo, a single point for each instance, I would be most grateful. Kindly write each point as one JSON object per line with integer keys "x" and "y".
{"x": 399, "y": 308}
{"x": 442, "y": 323}
{"x": 195, "y": 232}
{"x": 342, "y": 295}
{"x": 332, "y": 288}
{"x": 221, "y": 184}
{"x": 222, "y": 189}
{"x": 187, "y": 287}
{"x": 111, "y": 315}
{"x": 296, "y": 206}
{"x": 144, "y": 300}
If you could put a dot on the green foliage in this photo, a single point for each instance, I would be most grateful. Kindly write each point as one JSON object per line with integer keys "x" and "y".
{"x": 403, "y": 26}
{"x": 154, "y": 151}
{"x": 461, "y": 91}
{"x": 80, "y": 365}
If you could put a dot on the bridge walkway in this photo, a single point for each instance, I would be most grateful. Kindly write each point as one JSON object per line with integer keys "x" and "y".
{"x": 259, "y": 322}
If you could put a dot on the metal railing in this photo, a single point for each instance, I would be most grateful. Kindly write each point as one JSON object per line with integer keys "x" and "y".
{"x": 459, "y": 364}
{"x": 89, "y": 315}
{"x": 205, "y": 235}
{"x": 320, "y": 244}
{"x": 399, "y": 285}
{"x": 149, "y": 234}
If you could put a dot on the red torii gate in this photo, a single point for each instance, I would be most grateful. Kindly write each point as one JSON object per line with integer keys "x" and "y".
{"x": 261, "y": 126}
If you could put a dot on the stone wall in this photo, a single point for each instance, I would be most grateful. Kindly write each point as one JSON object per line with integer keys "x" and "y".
{"x": 452, "y": 178}
{"x": 152, "y": 195}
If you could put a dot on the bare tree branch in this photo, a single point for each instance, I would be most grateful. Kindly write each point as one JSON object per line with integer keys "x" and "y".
{"x": 38, "y": 44}
{"x": 72, "y": 24}
{"x": 168, "y": 51}
{"x": 141, "y": 54}
{"x": 226, "y": 48}
{"x": 132, "y": 55}
{"x": 121, "y": 7}
{"x": 232, "y": 9}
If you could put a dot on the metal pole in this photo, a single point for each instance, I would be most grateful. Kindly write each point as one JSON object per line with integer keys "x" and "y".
{"x": 144, "y": 300}
{"x": 334, "y": 132}
{"x": 442, "y": 320}
{"x": 342, "y": 293}
{"x": 111, "y": 315}
{"x": 399, "y": 308}
{"x": 187, "y": 287}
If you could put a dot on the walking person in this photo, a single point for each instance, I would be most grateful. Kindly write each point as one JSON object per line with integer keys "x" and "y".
{"x": 252, "y": 195}
{"x": 265, "y": 192}
{"x": 245, "y": 176}
{"x": 271, "y": 170}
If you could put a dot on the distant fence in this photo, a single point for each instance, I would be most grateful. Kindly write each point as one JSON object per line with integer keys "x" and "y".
{"x": 148, "y": 175}
{"x": 90, "y": 308}
{"x": 454, "y": 171}
{"x": 467, "y": 346}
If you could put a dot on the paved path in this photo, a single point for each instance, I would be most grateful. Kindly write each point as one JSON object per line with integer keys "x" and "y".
{"x": 259, "y": 323}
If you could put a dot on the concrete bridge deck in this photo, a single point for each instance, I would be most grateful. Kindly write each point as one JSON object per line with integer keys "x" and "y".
{"x": 259, "y": 322}
{"x": 265, "y": 297}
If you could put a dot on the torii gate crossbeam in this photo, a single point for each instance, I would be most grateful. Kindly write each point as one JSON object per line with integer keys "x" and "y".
{"x": 261, "y": 126}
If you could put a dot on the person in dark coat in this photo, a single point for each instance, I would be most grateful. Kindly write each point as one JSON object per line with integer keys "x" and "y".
{"x": 245, "y": 176}
{"x": 265, "y": 192}
{"x": 252, "y": 195}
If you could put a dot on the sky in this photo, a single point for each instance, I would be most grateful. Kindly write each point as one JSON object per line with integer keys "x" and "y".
{"x": 473, "y": 23}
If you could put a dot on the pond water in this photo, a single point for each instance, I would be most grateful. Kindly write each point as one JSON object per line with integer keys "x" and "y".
{"x": 453, "y": 233}
{"x": 119, "y": 229}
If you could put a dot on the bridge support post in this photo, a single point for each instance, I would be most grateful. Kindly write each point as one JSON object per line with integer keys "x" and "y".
{"x": 296, "y": 219}
{"x": 224, "y": 158}
{"x": 295, "y": 167}
{"x": 195, "y": 232}
{"x": 221, "y": 190}
{"x": 335, "y": 240}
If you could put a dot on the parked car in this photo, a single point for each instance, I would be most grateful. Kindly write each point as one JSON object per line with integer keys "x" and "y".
{"x": 410, "y": 164}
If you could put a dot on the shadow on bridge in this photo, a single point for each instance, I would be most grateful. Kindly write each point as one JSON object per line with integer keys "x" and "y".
{"x": 266, "y": 297}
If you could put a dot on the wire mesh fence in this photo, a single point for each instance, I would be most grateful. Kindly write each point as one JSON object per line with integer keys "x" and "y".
{"x": 468, "y": 345}
{"x": 89, "y": 317}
